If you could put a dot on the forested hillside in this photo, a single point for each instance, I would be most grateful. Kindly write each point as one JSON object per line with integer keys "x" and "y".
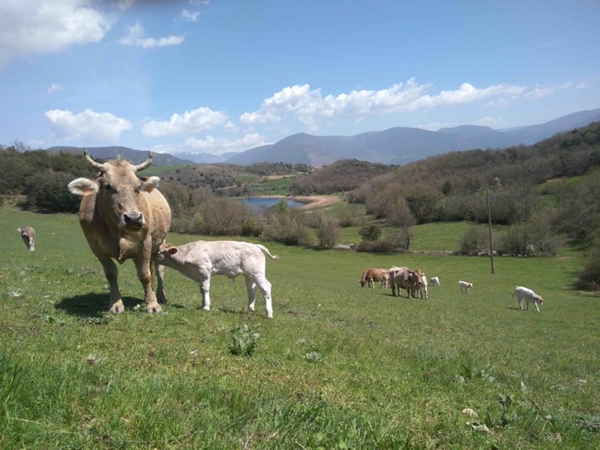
{"x": 544, "y": 195}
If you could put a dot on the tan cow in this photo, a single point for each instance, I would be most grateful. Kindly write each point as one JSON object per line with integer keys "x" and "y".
{"x": 124, "y": 217}
{"x": 28, "y": 236}
{"x": 405, "y": 278}
{"x": 369, "y": 277}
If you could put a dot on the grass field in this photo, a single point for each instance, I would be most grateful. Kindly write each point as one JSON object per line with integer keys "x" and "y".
{"x": 339, "y": 367}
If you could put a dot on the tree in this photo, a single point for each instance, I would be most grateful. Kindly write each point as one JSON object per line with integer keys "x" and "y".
{"x": 329, "y": 233}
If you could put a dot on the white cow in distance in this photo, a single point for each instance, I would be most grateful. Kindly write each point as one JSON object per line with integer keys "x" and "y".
{"x": 435, "y": 281}
{"x": 423, "y": 292}
{"x": 464, "y": 286}
{"x": 201, "y": 259}
{"x": 529, "y": 296}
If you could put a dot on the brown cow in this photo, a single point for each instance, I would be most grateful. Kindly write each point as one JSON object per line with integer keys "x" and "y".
{"x": 28, "y": 236}
{"x": 369, "y": 277}
{"x": 405, "y": 278}
{"x": 124, "y": 217}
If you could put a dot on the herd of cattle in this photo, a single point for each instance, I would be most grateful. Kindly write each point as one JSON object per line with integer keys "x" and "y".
{"x": 125, "y": 217}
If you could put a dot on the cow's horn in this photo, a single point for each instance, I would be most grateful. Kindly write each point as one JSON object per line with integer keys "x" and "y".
{"x": 95, "y": 164}
{"x": 145, "y": 164}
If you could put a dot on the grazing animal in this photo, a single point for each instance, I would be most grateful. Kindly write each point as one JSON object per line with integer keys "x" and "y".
{"x": 529, "y": 296}
{"x": 28, "y": 236}
{"x": 369, "y": 277}
{"x": 405, "y": 278}
{"x": 124, "y": 217}
{"x": 201, "y": 259}
{"x": 423, "y": 292}
{"x": 464, "y": 286}
{"x": 434, "y": 281}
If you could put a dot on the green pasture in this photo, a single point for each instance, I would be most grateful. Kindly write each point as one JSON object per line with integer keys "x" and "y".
{"x": 339, "y": 367}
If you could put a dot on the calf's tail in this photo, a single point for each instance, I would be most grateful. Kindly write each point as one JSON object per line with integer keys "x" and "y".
{"x": 266, "y": 251}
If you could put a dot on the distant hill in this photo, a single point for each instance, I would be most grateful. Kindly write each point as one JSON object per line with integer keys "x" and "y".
{"x": 401, "y": 145}
{"x": 135, "y": 156}
{"x": 205, "y": 158}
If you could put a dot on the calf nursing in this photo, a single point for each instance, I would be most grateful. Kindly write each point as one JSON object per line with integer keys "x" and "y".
{"x": 201, "y": 259}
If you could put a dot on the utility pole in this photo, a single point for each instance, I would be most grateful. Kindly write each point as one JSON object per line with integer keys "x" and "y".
{"x": 487, "y": 196}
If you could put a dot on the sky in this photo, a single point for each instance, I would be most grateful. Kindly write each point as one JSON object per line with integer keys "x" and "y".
{"x": 218, "y": 76}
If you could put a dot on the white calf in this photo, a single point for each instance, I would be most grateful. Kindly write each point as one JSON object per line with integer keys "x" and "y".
{"x": 435, "y": 281}
{"x": 201, "y": 259}
{"x": 529, "y": 296}
{"x": 464, "y": 286}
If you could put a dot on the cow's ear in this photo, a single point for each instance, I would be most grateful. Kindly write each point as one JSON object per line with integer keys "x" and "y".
{"x": 150, "y": 183}
{"x": 172, "y": 250}
{"x": 83, "y": 187}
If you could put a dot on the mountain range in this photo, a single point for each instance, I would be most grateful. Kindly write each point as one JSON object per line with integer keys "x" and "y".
{"x": 398, "y": 145}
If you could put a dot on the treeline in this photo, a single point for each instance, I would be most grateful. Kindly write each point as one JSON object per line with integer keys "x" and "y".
{"x": 37, "y": 180}
{"x": 341, "y": 176}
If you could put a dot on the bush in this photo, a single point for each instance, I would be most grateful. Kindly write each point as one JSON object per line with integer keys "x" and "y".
{"x": 329, "y": 233}
{"x": 370, "y": 233}
{"x": 474, "y": 240}
{"x": 589, "y": 277}
{"x": 285, "y": 229}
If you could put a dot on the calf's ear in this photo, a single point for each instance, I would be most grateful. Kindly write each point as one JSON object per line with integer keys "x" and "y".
{"x": 172, "y": 250}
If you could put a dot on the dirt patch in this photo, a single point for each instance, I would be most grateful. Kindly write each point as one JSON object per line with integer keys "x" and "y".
{"x": 311, "y": 201}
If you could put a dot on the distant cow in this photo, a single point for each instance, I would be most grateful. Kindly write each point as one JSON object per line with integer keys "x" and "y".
{"x": 529, "y": 296}
{"x": 124, "y": 217}
{"x": 434, "y": 281}
{"x": 423, "y": 293}
{"x": 464, "y": 286}
{"x": 369, "y": 277}
{"x": 28, "y": 236}
{"x": 405, "y": 278}
{"x": 201, "y": 259}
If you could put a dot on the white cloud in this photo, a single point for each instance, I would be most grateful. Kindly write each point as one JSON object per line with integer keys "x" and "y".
{"x": 493, "y": 122}
{"x": 190, "y": 16}
{"x": 220, "y": 146}
{"x": 39, "y": 27}
{"x": 190, "y": 122}
{"x": 88, "y": 126}
{"x": 582, "y": 85}
{"x": 136, "y": 38}
{"x": 543, "y": 91}
{"x": 55, "y": 87}
{"x": 309, "y": 105}
{"x": 434, "y": 126}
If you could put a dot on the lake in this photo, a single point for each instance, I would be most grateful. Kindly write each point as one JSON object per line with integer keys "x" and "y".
{"x": 267, "y": 202}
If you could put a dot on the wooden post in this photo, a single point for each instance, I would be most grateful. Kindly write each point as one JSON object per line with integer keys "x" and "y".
{"x": 487, "y": 195}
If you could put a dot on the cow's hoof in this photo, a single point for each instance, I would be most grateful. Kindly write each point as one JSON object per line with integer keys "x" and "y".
{"x": 117, "y": 307}
{"x": 153, "y": 308}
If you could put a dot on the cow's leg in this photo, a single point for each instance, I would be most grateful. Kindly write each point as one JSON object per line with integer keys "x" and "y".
{"x": 145, "y": 276}
{"x": 111, "y": 272}
{"x": 265, "y": 287}
{"x": 161, "y": 296}
{"x": 205, "y": 290}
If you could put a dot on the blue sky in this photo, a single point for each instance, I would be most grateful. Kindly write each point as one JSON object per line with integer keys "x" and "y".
{"x": 214, "y": 76}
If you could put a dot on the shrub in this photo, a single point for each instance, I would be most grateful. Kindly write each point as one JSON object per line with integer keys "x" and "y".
{"x": 329, "y": 233}
{"x": 285, "y": 229}
{"x": 474, "y": 240}
{"x": 589, "y": 276}
{"x": 370, "y": 233}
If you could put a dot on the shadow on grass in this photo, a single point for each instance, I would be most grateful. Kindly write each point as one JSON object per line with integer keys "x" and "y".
{"x": 92, "y": 305}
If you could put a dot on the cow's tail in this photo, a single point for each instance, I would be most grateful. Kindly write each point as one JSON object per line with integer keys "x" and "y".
{"x": 266, "y": 251}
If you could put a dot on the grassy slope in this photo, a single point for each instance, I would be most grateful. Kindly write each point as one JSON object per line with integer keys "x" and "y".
{"x": 338, "y": 367}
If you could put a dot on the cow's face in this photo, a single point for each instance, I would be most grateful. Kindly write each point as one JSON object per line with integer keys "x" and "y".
{"x": 118, "y": 192}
